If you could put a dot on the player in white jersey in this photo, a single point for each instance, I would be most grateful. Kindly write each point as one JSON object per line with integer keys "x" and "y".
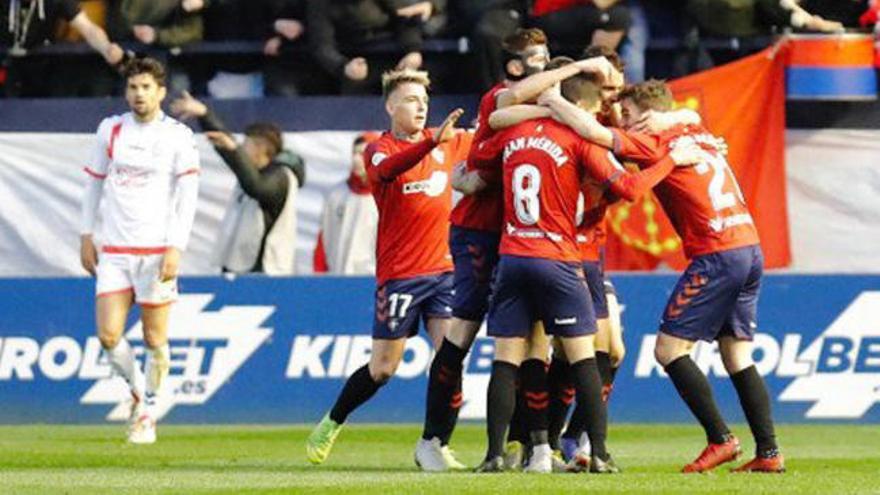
{"x": 145, "y": 169}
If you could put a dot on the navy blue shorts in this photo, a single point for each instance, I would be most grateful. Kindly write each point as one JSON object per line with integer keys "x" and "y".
{"x": 716, "y": 295}
{"x": 595, "y": 276}
{"x": 400, "y": 304}
{"x": 530, "y": 289}
{"x": 475, "y": 254}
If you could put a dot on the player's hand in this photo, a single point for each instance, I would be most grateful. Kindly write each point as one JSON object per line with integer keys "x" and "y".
{"x": 291, "y": 29}
{"x": 412, "y": 60}
{"x": 170, "y": 264}
{"x": 818, "y": 23}
{"x": 221, "y": 140}
{"x": 447, "y": 128}
{"x": 114, "y": 54}
{"x": 420, "y": 9}
{"x": 687, "y": 154}
{"x": 551, "y": 94}
{"x": 145, "y": 34}
{"x": 602, "y": 67}
{"x": 357, "y": 69}
{"x": 272, "y": 48}
{"x": 88, "y": 254}
{"x": 653, "y": 122}
{"x": 192, "y": 5}
{"x": 187, "y": 107}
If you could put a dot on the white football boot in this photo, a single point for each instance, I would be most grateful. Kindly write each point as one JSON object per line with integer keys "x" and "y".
{"x": 429, "y": 455}
{"x": 541, "y": 460}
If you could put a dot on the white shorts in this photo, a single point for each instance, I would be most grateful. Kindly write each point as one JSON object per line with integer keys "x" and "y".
{"x": 118, "y": 273}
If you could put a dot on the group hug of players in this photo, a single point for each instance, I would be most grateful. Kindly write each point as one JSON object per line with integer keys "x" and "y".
{"x": 524, "y": 250}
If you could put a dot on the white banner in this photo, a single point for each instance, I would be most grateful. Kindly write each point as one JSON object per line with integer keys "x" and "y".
{"x": 42, "y": 179}
{"x": 834, "y": 199}
{"x": 833, "y": 195}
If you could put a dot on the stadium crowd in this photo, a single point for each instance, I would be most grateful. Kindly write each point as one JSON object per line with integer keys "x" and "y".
{"x": 234, "y": 48}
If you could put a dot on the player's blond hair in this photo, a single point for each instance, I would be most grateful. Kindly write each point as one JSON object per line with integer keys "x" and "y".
{"x": 392, "y": 79}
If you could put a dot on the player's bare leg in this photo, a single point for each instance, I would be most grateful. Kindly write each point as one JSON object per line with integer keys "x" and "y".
{"x": 737, "y": 358}
{"x": 444, "y": 397}
{"x": 111, "y": 313}
{"x": 673, "y": 353}
{"x": 616, "y": 348}
{"x": 154, "y": 321}
{"x": 581, "y": 353}
{"x": 501, "y": 397}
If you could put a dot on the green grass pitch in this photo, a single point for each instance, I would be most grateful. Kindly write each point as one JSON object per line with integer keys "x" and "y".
{"x": 45, "y": 459}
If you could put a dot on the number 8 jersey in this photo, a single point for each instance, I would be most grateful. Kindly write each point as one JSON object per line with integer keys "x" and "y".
{"x": 543, "y": 164}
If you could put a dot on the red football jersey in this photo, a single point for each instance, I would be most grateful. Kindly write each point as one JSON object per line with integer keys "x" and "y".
{"x": 483, "y": 210}
{"x": 591, "y": 234}
{"x": 704, "y": 202}
{"x": 543, "y": 167}
{"x": 414, "y": 205}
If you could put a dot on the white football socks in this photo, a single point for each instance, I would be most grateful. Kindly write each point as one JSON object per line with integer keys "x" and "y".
{"x": 158, "y": 364}
{"x": 123, "y": 362}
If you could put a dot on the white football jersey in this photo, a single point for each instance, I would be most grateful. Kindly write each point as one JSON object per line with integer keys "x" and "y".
{"x": 140, "y": 164}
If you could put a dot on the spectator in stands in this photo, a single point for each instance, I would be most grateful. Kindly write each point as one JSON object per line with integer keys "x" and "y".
{"x": 27, "y": 24}
{"x": 347, "y": 239}
{"x": 275, "y": 23}
{"x": 258, "y": 233}
{"x": 353, "y": 23}
{"x": 572, "y": 25}
{"x": 752, "y": 17}
{"x": 166, "y": 23}
{"x": 487, "y": 23}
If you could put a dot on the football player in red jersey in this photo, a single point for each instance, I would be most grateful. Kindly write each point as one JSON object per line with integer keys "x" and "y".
{"x": 716, "y": 297}
{"x": 543, "y": 164}
{"x": 476, "y": 221}
{"x": 409, "y": 169}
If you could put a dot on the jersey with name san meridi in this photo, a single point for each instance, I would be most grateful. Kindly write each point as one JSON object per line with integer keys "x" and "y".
{"x": 703, "y": 202}
{"x": 543, "y": 166}
{"x": 414, "y": 205}
{"x": 482, "y": 210}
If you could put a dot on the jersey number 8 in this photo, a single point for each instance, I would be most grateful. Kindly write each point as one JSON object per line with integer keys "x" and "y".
{"x": 526, "y": 186}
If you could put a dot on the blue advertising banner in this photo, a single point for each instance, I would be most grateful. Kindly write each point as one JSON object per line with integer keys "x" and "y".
{"x": 255, "y": 349}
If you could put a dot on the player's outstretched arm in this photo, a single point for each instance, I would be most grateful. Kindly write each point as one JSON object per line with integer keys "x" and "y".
{"x": 653, "y": 122}
{"x": 512, "y": 115}
{"x": 529, "y": 88}
{"x": 384, "y": 167}
{"x": 582, "y": 122}
{"x": 631, "y": 186}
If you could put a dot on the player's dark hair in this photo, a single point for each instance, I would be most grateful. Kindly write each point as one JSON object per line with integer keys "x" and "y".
{"x": 652, "y": 94}
{"x": 604, "y": 51}
{"x": 557, "y": 62}
{"x": 359, "y": 141}
{"x": 146, "y": 65}
{"x": 582, "y": 88}
{"x": 513, "y": 46}
{"x": 268, "y": 132}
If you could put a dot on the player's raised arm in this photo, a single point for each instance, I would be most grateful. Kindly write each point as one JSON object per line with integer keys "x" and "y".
{"x": 384, "y": 167}
{"x": 604, "y": 167}
{"x": 529, "y": 88}
{"x": 512, "y": 115}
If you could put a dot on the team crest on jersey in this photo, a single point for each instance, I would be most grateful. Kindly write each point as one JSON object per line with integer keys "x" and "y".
{"x": 432, "y": 187}
{"x": 207, "y": 348}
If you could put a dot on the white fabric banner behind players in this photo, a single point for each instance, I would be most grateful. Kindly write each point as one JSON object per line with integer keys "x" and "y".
{"x": 833, "y": 194}
{"x": 834, "y": 199}
{"x": 42, "y": 179}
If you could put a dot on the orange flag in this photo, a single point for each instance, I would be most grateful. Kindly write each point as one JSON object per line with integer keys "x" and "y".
{"x": 744, "y": 102}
